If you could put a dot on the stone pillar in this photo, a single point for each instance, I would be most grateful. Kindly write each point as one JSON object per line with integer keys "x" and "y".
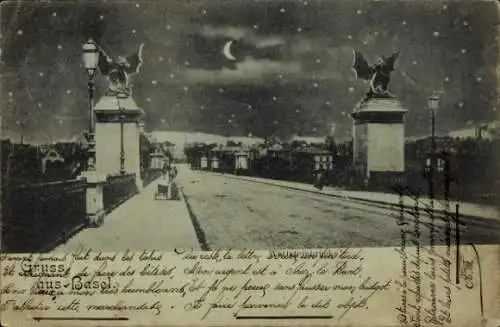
{"x": 204, "y": 162}
{"x": 378, "y": 135}
{"x": 241, "y": 160}
{"x": 215, "y": 163}
{"x": 108, "y": 136}
{"x": 94, "y": 198}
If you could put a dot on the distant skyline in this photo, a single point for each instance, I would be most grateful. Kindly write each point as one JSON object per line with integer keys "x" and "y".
{"x": 292, "y": 73}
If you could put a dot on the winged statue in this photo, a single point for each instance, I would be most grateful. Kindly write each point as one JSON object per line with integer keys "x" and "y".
{"x": 378, "y": 74}
{"x": 119, "y": 70}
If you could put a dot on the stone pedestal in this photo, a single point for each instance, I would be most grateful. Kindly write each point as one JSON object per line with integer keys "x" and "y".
{"x": 204, "y": 162}
{"x": 156, "y": 159}
{"x": 215, "y": 163}
{"x": 110, "y": 112}
{"x": 378, "y": 135}
{"x": 241, "y": 161}
{"x": 94, "y": 198}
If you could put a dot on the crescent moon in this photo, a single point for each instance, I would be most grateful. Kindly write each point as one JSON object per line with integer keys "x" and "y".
{"x": 227, "y": 51}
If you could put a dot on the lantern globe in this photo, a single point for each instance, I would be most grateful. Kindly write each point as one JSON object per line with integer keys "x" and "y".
{"x": 90, "y": 57}
{"x": 434, "y": 102}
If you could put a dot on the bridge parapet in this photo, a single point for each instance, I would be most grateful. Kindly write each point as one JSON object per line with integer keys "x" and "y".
{"x": 149, "y": 175}
{"x": 38, "y": 216}
{"x": 118, "y": 189}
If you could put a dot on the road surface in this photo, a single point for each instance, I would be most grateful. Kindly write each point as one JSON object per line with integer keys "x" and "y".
{"x": 233, "y": 213}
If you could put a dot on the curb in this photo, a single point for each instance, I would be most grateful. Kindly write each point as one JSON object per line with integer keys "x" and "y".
{"x": 381, "y": 204}
{"x": 200, "y": 234}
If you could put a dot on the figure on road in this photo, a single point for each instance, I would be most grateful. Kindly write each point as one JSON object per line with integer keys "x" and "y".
{"x": 320, "y": 179}
{"x": 172, "y": 174}
{"x": 166, "y": 169}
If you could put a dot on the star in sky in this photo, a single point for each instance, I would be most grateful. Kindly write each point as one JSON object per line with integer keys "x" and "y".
{"x": 322, "y": 57}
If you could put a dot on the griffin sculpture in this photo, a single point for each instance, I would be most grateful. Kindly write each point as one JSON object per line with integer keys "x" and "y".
{"x": 378, "y": 74}
{"x": 118, "y": 71}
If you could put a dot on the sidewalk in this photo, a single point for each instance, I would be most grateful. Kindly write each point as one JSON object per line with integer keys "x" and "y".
{"x": 138, "y": 224}
{"x": 384, "y": 199}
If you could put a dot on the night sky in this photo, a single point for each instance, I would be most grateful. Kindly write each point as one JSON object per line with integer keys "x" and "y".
{"x": 292, "y": 74}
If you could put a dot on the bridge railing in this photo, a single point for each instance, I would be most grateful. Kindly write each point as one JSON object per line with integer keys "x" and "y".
{"x": 118, "y": 189}
{"x": 37, "y": 217}
{"x": 149, "y": 175}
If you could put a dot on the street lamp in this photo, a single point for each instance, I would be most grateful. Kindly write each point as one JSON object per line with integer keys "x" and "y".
{"x": 433, "y": 107}
{"x": 90, "y": 61}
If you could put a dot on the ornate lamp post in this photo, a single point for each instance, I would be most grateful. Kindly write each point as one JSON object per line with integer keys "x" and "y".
{"x": 121, "y": 111}
{"x": 90, "y": 61}
{"x": 433, "y": 107}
